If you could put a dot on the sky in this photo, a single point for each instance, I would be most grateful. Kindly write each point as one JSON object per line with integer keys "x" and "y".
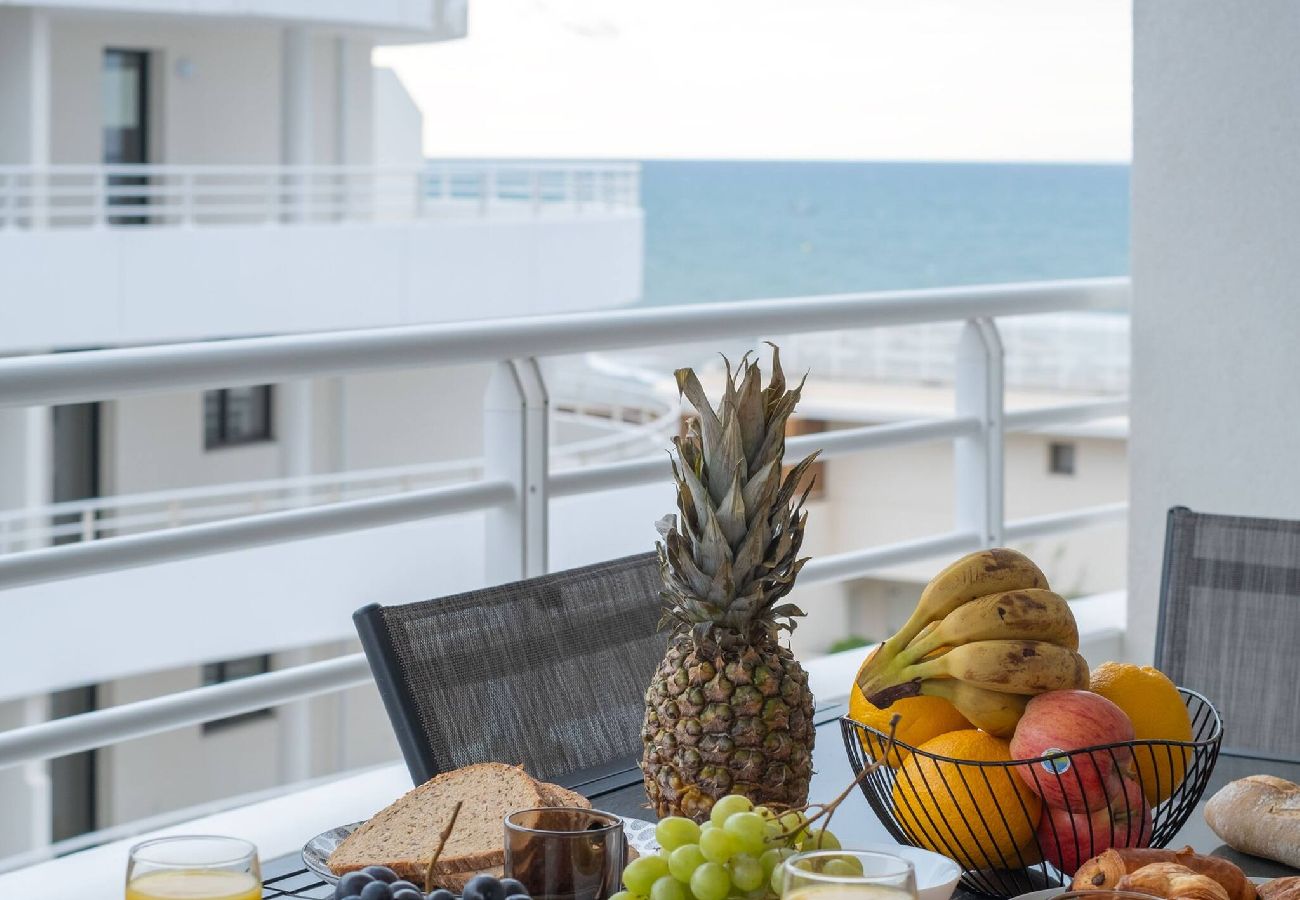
{"x": 779, "y": 79}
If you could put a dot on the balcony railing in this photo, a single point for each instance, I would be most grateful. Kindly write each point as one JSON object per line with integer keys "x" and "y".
{"x": 99, "y": 196}
{"x": 632, "y": 423}
{"x": 517, "y": 481}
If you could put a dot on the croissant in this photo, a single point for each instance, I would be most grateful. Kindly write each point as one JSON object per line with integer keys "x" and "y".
{"x": 1172, "y": 882}
{"x": 1104, "y": 871}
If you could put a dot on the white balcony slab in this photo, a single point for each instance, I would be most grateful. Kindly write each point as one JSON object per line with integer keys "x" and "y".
{"x": 120, "y": 286}
{"x": 392, "y": 20}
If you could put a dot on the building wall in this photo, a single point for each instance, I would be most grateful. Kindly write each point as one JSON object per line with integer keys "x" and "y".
{"x": 348, "y": 730}
{"x": 15, "y": 85}
{"x": 1216, "y": 186}
{"x": 216, "y": 91}
{"x": 890, "y": 495}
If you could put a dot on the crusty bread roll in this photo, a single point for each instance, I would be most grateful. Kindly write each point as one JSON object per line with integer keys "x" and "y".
{"x": 1281, "y": 888}
{"x": 1172, "y": 882}
{"x": 1106, "y": 870}
{"x": 1259, "y": 815}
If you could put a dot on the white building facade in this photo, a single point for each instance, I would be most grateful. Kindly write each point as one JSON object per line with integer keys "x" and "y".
{"x": 216, "y": 170}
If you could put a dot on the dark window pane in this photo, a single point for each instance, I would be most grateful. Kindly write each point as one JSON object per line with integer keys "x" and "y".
{"x": 232, "y": 670}
{"x": 212, "y": 419}
{"x": 1060, "y": 458}
{"x": 237, "y": 416}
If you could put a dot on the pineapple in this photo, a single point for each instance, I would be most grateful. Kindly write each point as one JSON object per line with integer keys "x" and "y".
{"x": 729, "y": 709}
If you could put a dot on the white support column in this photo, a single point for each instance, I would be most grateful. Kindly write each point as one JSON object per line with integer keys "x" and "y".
{"x": 296, "y": 116}
{"x": 38, "y": 484}
{"x": 293, "y": 404}
{"x": 38, "y": 123}
{"x": 342, "y": 127}
{"x": 516, "y": 448}
{"x": 979, "y": 459}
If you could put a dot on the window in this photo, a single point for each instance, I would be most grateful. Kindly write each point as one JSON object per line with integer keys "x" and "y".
{"x": 1060, "y": 458}
{"x": 231, "y": 670}
{"x": 233, "y": 416}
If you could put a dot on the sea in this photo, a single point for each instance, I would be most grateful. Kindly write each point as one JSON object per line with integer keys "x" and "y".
{"x": 722, "y": 230}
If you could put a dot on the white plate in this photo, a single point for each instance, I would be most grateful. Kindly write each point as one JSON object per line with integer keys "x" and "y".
{"x": 936, "y": 875}
{"x": 316, "y": 852}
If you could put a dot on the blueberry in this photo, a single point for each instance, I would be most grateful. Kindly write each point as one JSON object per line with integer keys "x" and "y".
{"x": 349, "y": 897}
{"x": 352, "y": 883}
{"x": 381, "y": 873}
{"x": 513, "y": 887}
{"x": 377, "y": 890}
{"x": 403, "y": 885}
{"x": 519, "y": 897}
{"x": 409, "y": 893}
{"x": 442, "y": 894}
{"x": 483, "y": 887}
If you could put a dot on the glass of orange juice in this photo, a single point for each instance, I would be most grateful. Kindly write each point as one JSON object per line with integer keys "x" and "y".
{"x": 201, "y": 867}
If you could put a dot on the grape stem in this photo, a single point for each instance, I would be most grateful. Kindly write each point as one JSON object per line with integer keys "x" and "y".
{"x": 442, "y": 842}
{"x": 826, "y": 810}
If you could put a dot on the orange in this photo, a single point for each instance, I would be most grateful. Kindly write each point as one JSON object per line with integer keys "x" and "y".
{"x": 982, "y": 816}
{"x": 921, "y": 718}
{"x": 1158, "y": 713}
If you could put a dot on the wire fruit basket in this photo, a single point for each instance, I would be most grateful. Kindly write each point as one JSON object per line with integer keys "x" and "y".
{"x": 982, "y": 814}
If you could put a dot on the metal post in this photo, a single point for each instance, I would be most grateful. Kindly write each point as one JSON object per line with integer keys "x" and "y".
{"x": 187, "y": 199}
{"x": 293, "y": 407}
{"x": 978, "y": 460}
{"x": 515, "y": 448}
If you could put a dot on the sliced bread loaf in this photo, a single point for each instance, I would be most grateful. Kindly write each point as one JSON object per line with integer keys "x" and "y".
{"x": 554, "y": 795}
{"x": 404, "y": 835}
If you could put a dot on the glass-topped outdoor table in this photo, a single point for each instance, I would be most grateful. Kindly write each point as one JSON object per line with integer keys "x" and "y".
{"x": 618, "y": 789}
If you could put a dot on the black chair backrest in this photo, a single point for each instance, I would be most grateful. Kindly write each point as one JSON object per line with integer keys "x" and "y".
{"x": 1230, "y": 624}
{"x": 550, "y": 672}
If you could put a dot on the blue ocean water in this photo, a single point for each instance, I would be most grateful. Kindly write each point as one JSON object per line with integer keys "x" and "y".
{"x": 718, "y": 230}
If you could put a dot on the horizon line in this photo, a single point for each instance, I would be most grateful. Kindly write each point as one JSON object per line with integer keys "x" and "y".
{"x": 782, "y": 159}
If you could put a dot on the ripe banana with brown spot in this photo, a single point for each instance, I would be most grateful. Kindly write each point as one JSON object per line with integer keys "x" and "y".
{"x": 1027, "y": 615}
{"x": 974, "y": 575}
{"x": 1011, "y": 667}
{"x": 991, "y": 711}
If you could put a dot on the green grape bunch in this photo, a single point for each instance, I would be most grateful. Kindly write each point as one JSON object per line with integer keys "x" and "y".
{"x": 735, "y": 855}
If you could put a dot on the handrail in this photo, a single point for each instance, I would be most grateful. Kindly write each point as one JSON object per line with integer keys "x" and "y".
{"x": 145, "y": 717}
{"x": 45, "y": 197}
{"x": 977, "y": 428}
{"x": 89, "y": 557}
{"x": 96, "y": 374}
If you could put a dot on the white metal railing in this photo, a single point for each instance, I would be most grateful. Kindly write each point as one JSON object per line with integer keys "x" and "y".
{"x": 97, "y": 196}
{"x": 635, "y": 423}
{"x": 1084, "y": 352}
{"x": 516, "y": 484}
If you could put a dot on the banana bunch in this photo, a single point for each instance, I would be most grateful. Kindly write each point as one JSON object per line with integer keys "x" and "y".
{"x": 986, "y": 635}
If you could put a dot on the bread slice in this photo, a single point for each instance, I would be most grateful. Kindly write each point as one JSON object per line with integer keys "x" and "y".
{"x": 554, "y": 795}
{"x": 404, "y": 835}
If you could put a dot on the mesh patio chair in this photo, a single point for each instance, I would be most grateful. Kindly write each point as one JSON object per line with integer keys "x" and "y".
{"x": 1230, "y": 624}
{"x": 549, "y": 672}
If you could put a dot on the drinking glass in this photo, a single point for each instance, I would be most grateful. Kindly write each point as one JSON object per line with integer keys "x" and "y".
{"x": 847, "y": 875}
{"x": 565, "y": 852}
{"x": 199, "y": 867}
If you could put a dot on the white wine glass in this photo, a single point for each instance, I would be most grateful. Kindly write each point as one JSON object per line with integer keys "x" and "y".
{"x": 847, "y": 875}
{"x": 199, "y": 867}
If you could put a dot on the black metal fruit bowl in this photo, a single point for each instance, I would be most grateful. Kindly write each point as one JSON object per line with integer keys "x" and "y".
{"x": 976, "y": 812}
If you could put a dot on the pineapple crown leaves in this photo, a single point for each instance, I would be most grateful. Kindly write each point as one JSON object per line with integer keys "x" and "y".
{"x": 732, "y": 550}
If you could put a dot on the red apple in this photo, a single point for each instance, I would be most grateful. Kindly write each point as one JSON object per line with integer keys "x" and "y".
{"x": 1059, "y": 722}
{"x": 1068, "y": 839}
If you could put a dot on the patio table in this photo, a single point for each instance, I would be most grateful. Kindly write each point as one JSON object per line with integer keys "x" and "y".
{"x": 618, "y": 789}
